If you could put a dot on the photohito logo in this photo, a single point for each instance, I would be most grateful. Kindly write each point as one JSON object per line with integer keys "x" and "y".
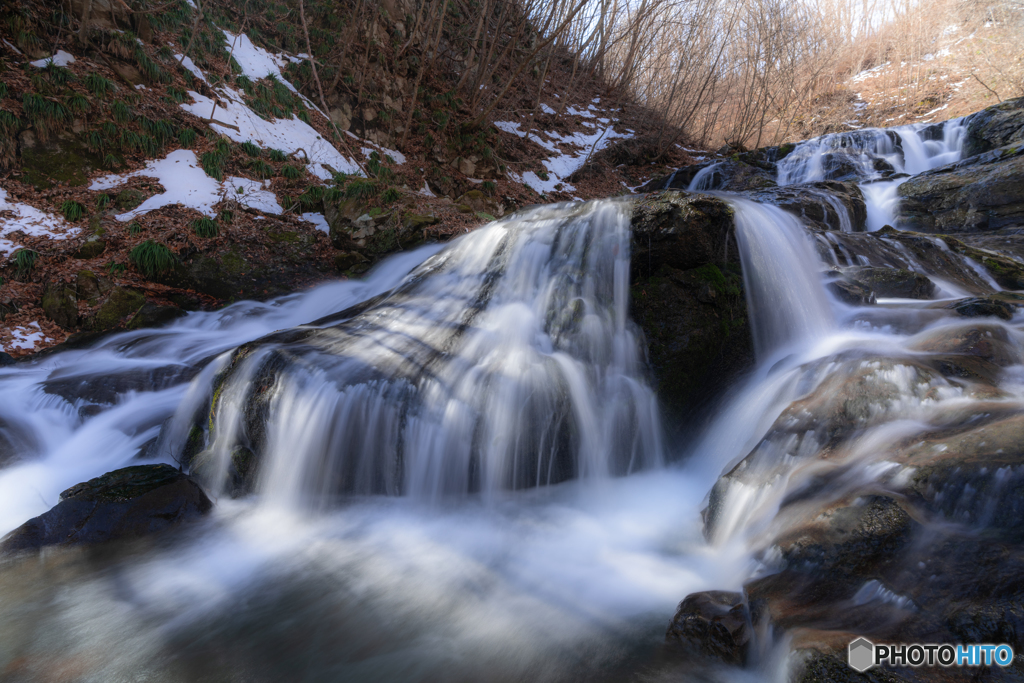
{"x": 862, "y": 654}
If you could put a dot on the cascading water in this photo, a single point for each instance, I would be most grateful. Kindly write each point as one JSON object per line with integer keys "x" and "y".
{"x": 467, "y": 381}
{"x": 880, "y": 160}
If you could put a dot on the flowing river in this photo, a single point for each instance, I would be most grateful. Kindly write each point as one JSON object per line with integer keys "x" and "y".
{"x": 464, "y": 472}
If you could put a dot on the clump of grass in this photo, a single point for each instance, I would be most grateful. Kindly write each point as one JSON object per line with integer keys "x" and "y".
{"x": 205, "y": 227}
{"x": 24, "y": 260}
{"x": 226, "y": 216}
{"x": 110, "y": 161}
{"x": 58, "y": 75}
{"x": 161, "y": 130}
{"x": 312, "y": 197}
{"x": 72, "y": 210}
{"x": 277, "y": 156}
{"x": 251, "y": 148}
{"x": 489, "y": 188}
{"x": 176, "y": 95}
{"x": 260, "y": 168}
{"x": 213, "y": 164}
{"x": 291, "y": 172}
{"x": 152, "y": 258}
{"x": 46, "y": 115}
{"x": 114, "y": 268}
{"x": 134, "y": 228}
{"x": 98, "y": 85}
{"x": 150, "y": 69}
{"x": 390, "y": 195}
{"x": 362, "y": 189}
{"x": 122, "y": 112}
{"x": 187, "y": 137}
{"x": 3, "y": 90}
{"x": 77, "y": 103}
{"x": 103, "y": 201}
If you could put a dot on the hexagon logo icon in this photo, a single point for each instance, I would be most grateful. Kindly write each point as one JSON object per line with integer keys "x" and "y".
{"x": 861, "y": 655}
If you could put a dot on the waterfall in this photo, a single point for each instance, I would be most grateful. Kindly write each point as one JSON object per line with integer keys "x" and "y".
{"x": 871, "y": 156}
{"x": 506, "y": 361}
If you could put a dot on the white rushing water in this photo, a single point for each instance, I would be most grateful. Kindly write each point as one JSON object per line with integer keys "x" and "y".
{"x": 495, "y": 389}
{"x": 870, "y": 156}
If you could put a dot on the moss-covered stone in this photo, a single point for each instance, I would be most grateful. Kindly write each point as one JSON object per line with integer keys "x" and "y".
{"x": 61, "y": 305}
{"x": 92, "y": 248}
{"x": 128, "y": 199}
{"x": 120, "y": 304}
{"x": 66, "y": 159}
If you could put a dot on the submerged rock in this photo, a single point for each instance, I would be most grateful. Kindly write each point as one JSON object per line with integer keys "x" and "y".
{"x": 123, "y": 504}
{"x": 715, "y": 624}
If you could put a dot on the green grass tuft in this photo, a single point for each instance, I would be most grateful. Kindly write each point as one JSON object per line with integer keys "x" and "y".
{"x": 277, "y": 156}
{"x": 390, "y": 195}
{"x": 134, "y": 228}
{"x": 187, "y": 137}
{"x": 122, "y": 112}
{"x": 72, "y": 210}
{"x": 251, "y": 148}
{"x": 24, "y": 260}
{"x": 213, "y": 164}
{"x": 205, "y": 227}
{"x": 362, "y": 189}
{"x": 260, "y": 168}
{"x": 103, "y": 201}
{"x": 98, "y": 85}
{"x": 291, "y": 172}
{"x": 152, "y": 258}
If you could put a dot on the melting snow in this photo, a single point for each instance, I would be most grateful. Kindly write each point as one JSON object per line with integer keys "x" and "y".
{"x": 187, "y": 184}
{"x": 546, "y": 109}
{"x": 564, "y": 164}
{"x": 15, "y": 216}
{"x": 191, "y": 66}
{"x": 60, "y": 59}
{"x": 318, "y": 220}
{"x": 289, "y": 135}
{"x": 27, "y": 336}
{"x": 256, "y": 62}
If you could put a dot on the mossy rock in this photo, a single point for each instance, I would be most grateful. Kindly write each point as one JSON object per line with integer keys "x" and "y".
{"x": 92, "y": 248}
{"x": 154, "y": 315}
{"x": 128, "y": 199}
{"x": 89, "y": 287}
{"x": 61, "y": 305}
{"x": 347, "y": 260}
{"x": 66, "y": 159}
{"x": 120, "y": 304}
{"x": 418, "y": 222}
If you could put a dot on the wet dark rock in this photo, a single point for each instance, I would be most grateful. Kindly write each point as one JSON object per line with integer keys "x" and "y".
{"x": 978, "y": 194}
{"x": 891, "y": 282}
{"x": 60, "y": 305}
{"x": 75, "y": 385}
{"x": 120, "y": 505}
{"x": 687, "y": 297}
{"x": 6, "y": 359}
{"x": 820, "y": 204}
{"x": 997, "y": 126}
{"x": 852, "y": 293}
{"x": 978, "y": 307}
{"x": 351, "y": 260}
{"x": 715, "y": 624}
{"x": 154, "y": 315}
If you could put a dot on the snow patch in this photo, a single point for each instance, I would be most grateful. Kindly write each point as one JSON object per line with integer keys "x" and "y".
{"x": 191, "y": 66}
{"x": 256, "y": 62}
{"x": 318, "y": 220}
{"x": 546, "y": 109}
{"x": 187, "y": 184}
{"x": 26, "y": 337}
{"x": 287, "y": 135}
{"x": 60, "y": 59}
{"x": 15, "y": 216}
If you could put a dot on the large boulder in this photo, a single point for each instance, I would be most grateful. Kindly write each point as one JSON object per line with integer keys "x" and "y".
{"x": 123, "y": 504}
{"x": 826, "y": 205}
{"x": 891, "y": 282}
{"x": 978, "y": 194}
{"x": 997, "y": 126}
{"x": 687, "y": 297}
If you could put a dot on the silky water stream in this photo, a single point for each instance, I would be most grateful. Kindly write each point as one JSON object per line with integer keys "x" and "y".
{"x": 463, "y": 471}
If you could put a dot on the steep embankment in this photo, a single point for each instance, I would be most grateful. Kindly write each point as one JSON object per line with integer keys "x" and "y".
{"x": 161, "y": 161}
